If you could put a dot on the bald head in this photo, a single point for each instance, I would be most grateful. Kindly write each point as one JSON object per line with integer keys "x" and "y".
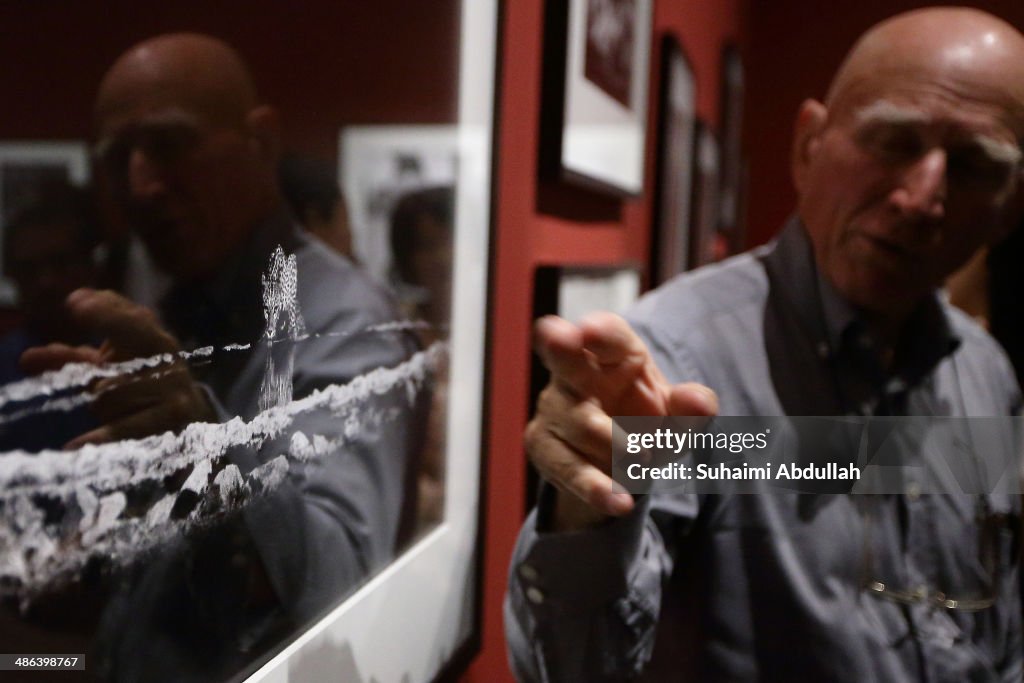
{"x": 187, "y": 153}
{"x": 914, "y": 158}
{"x": 190, "y": 71}
{"x": 965, "y": 46}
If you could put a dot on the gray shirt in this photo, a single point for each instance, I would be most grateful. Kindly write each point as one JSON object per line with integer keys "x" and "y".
{"x": 332, "y": 522}
{"x": 772, "y": 586}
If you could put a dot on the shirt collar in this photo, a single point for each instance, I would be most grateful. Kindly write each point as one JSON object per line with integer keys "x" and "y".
{"x": 836, "y": 324}
{"x": 231, "y": 301}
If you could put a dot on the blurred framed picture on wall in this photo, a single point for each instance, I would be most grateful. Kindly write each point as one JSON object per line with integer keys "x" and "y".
{"x": 707, "y": 243}
{"x": 594, "y": 105}
{"x": 671, "y": 244}
{"x": 731, "y": 196}
{"x": 378, "y": 167}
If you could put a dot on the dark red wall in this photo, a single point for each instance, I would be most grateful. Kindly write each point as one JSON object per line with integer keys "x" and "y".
{"x": 795, "y": 47}
{"x": 554, "y": 224}
{"x": 325, "y": 63}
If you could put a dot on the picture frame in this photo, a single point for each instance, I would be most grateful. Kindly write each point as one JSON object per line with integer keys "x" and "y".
{"x": 585, "y": 290}
{"x": 25, "y": 168}
{"x": 438, "y": 577}
{"x": 672, "y": 201}
{"x": 377, "y": 165}
{"x": 594, "y": 100}
{"x": 731, "y": 193}
{"x": 706, "y": 244}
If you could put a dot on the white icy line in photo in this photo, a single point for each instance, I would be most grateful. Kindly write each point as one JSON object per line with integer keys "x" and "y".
{"x": 81, "y": 374}
{"x": 34, "y": 555}
{"x": 58, "y": 509}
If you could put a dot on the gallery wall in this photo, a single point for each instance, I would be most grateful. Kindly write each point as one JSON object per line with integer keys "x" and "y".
{"x": 325, "y": 62}
{"x": 552, "y": 223}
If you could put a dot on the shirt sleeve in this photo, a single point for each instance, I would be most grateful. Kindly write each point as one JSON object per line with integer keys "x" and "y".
{"x": 583, "y": 605}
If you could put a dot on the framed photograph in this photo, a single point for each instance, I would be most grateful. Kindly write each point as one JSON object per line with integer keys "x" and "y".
{"x": 671, "y": 243}
{"x": 595, "y": 93}
{"x": 326, "y": 527}
{"x": 730, "y": 212}
{"x": 25, "y": 169}
{"x": 706, "y": 244}
{"x": 378, "y": 166}
{"x": 585, "y": 290}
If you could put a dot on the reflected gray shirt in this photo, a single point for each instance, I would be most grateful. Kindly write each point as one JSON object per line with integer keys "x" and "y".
{"x": 771, "y": 586}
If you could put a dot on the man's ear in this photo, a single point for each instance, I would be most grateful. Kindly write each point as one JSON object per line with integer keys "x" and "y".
{"x": 810, "y": 123}
{"x": 263, "y": 124}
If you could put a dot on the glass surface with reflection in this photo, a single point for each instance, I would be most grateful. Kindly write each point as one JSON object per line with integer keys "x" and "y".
{"x": 222, "y": 410}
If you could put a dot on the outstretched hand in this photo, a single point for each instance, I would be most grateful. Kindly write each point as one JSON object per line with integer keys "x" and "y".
{"x": 151, "y": 401}
{"x": 599, "y": 368}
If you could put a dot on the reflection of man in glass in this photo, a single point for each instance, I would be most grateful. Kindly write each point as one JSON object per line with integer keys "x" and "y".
{"x": 188, "y": 155}
{"x": 48, "y": 253}
{"x": 422, "y": 233}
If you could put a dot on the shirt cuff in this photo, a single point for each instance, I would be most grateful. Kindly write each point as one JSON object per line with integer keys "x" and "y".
{"x": 578, "y": 571}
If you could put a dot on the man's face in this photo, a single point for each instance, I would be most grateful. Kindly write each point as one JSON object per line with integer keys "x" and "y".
{"x": 901, "y": 184}
{"x": 186, "y": 186}
{"x": 48, "y": 262}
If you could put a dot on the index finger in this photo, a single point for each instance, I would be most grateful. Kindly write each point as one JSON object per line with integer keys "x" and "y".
{"x": 612, "y": 340}
{"x": 559, "y": 344}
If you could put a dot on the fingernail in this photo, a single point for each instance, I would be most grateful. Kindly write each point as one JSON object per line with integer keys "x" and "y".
{"x": 620, "y": 503}
{"x": 76, "y": 296}
{"x": 709, "y": 398}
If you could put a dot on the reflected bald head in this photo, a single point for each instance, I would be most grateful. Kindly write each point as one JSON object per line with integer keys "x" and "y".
{"x": 190, "y": 71}
{"x": 188, "y": 155}
{"x": 967, "y": 46}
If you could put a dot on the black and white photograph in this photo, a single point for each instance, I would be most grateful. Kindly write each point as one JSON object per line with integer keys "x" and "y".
{"x": 603, "y": 112}
{"x": 378, "y": 167}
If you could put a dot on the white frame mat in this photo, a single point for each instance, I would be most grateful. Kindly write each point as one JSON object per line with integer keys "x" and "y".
{"x": 408, "y": 621}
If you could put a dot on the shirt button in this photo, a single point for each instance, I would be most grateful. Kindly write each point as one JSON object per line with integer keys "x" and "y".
{"x": 913, "y": 491}
{"x": 535, "y": 595}
{"x": 823, "y": 350}
{"x": 528, "y": 572}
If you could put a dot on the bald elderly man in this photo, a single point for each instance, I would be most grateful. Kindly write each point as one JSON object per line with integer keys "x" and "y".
{"x": 904, "y": 170}
{"x": 188, "y": 155}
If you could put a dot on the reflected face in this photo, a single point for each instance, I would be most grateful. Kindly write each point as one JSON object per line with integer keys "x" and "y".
{"x": 185, "y": 185}
{"x": 431, "y": 266}
{"x": 907, "y": 177}
{"x": 48, "y": 262}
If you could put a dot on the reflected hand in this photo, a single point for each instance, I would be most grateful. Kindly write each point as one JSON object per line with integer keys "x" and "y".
{"x": 148, "y": 402}
{"x": 599, "y": 369}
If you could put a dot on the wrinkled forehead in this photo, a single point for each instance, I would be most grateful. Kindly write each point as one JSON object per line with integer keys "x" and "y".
{"x": 998, "y": 145}
{"x": 981, "y": 102}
